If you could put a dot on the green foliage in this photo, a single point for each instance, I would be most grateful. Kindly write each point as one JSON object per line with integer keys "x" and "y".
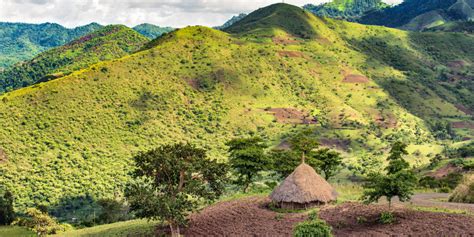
{"x": 349, "y": 10}
{"x": 330, "y": 162}
{"x": 312, "y": 228}
{"x": 387, "y": 218}
{"x": 40, "y": 222}
{"x": 171, "y": 181}
{"x": 21, "y": 41}
{"x": 152, "y": 31}
{"x": 449, "y": 182}
{"x": 399, "y": 181}
{"x": 464, "y": 192}
{"x": 304, "y": 143}
{"x": 247, "y": 158}
{"x": 7, "y": 214}
{"x": 110, "y": 42}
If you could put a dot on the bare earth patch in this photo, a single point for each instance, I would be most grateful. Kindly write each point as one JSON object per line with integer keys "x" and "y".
{"x": 355, "y": 219}
{"x": 444, "y": 171}
{"x": 464, "y": 109}
{"x": 284, "y": 40}
{"x": 291, "y": 54}
{"x": 463, "y": 124}
{"x": 291, "y": 116}
{"x": 3, "y": 156}
{"x": 388, "y": 120}
{"x": 335, "y": 143}
{"x": 354, "y": 78}
{"x": 457, "y": 64}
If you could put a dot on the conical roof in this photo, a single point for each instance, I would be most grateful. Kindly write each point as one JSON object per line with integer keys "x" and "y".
{"x": 304, "y": 185}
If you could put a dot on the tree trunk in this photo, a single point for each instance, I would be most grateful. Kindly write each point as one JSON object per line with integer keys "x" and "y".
{"x": 246, "y": 187}
{"x": 390, "y": 204}
{"x": 174, "y": 230}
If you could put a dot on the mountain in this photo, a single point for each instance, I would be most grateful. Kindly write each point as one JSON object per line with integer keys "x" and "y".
{"x": 350, "y": 10}
{"x": 152, "y": 31}
{"x": 455, "y": 26}
{"x": 22, "y": 41}
{"x": 421, "y": 14}
{"x": 277, "y": 71}
{"x": 231, "y": 21}
{"x": 110, "y": 42}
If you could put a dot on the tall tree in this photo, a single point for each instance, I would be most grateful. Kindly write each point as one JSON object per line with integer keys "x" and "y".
{"x": 7, "y": 214}
{"x": 329, "y": 162}
{"x": 304, "y": 143}
{"x": 247, "y": 159}
{"x": 399, "y": 179}
{"x": 172, "y": 181}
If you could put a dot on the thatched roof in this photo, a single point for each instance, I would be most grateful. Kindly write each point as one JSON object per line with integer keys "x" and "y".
{"x": 304, "y": 185}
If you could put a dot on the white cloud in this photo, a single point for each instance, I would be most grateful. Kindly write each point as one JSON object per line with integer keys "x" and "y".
{"x": 176, "y": 13}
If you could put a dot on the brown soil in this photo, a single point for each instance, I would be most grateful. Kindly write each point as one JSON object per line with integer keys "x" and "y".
{"x": 464, "y": 109}
{"x": 344, "y": 220}
{"x": 251, "y": 217}
{"x": 291, "y": 116}
{"x": 194, "y": 83}
{"x": 291, "y": 54}
{"x": 3, "y": 155}
{"x": 243, "y": 217}
{"x": 444, "y": 171}
{"x": 463, "y": 124}
{"x": 457, "y": 64}
{"x": 335, "y": 143}
{"x": 354, "y": 78}
{"x": 282, "y": 40}
{"x": 387, "y": 120}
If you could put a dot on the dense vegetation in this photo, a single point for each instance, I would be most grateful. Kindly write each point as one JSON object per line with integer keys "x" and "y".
{"x": 359, "y": 87}
{"x": 21, "y": 41}
{"x": 350, "y": 10}
{"x": 232, "y": 21}
{"x": 107, "y": 43}
{"x": 152, "y": 31}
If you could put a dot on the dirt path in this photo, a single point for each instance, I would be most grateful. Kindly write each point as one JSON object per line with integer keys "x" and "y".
{"x": 251, "y": 217}
{"x": 436, "y": 200}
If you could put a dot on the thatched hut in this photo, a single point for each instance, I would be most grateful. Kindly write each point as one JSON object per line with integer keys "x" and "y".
{"x": 302, "y": 189}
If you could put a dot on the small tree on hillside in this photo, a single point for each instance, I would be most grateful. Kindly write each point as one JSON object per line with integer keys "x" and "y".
{"x": 7, "y": 214}
{"x": 247, "y": 159}
{"x": 330, "y": 161}
{"x": 303, "y": 143}
{"x": 398, "y": 181}
{"x": 172, "y": 181}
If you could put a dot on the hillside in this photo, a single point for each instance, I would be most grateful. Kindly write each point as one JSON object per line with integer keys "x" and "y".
{"x": 422, "y": 14}
{"x": 231, "y": 21}
{"x": 350, "y": 10}
{"x": 360, "y": 87}
{"x": 152, "y": 31}
{"x": 462, "y": 27}
{"x": 110, "y": 42}
{"x": 21, "y": 41}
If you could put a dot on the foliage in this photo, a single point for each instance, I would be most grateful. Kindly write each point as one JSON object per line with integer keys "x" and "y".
{"x": 113, "y": 210}
{"x": 399, "y": 181}
{"x": 110, "y": 42}
{"x": 152, "y": 31}
{"x": 232, "y": 21}
{"x": 449, "y": 182}
{"x": 140, "y": 227}
{"x": 247, "y": 158}
{"x": 21, "y": 41}
{"x": 312, "y": 228}
{"x": 171, "y": 181}
{"x": 387, "y": 218}
{"x": 304, "y": 143}
{"x": 285, "y": 161}
{"x": 40, "y": 222}
{"x": 330, "y": 162}
{"x": 7, "y": 214}
{"x": 464, "y": 192}
{"x": 349, "y": 10}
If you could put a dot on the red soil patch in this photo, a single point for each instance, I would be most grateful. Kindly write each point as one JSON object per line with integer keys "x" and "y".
{"x": 194, "y": 83}
{"x": 463, "y": 124}
{"x": 250, "y": 217}
{"x": 464, "y": 109}
{"x": 354, "y": 78}
{"x": 291, "y": 116}
{"x": 3, "y": 155}
{"x": 444, "y": 171}
{"x": 457, "y": 64}
{"x": 335, "y": 143}
{"x": 386, "y": 120}
{"x": 282, "y": 40}
{"x": 291, "y": 54}
{"x": 344, "y": 218}
{"x": 244, "y": 217}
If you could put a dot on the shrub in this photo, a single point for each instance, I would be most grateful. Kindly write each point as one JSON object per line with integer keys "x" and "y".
{"x": 41, "y": 223}
{"x": 7, "y": 215}
{"x": 464, "y": 192}
{"x": 312, "y": 228}
{"x": 387, "y": 218}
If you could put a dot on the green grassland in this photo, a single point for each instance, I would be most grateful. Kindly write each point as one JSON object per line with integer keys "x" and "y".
{"x": 76, "y": 135}
{"x": 107, "y": 43}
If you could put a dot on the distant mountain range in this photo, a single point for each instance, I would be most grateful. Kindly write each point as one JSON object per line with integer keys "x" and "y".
{"x": 414, "y": 15}
{"x": 21, "y": 41}
{"x": 231, "y": 21}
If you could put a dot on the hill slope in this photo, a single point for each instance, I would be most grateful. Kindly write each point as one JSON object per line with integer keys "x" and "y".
{"x": 152, "y": 31}
{"x": 108, "y": 43}
{"x": 360, "y": 87}
{"x": 350, "y": 10}
{"x": 21, "y": 41}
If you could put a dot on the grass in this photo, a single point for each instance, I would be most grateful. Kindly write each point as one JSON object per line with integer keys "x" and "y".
{"x": 441, "y": 210}
{"x": 15, "y": 231}
{"x": 126, "y": 228}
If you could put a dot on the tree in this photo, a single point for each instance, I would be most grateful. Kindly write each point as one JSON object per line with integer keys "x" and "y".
{"x": 329, "y": 161}
{"x": 285, "y": 161}
{"x": 399, "y": 180}
{"x": 41, "y": 223}
{"x": 304, "y": 143}
{"x": 172, "y": 181}
{"x": 7, "y": 214}
{"x": 247, "y": 159}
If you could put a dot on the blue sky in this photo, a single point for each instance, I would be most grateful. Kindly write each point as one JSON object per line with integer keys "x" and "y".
{"x": 176, "y": 13}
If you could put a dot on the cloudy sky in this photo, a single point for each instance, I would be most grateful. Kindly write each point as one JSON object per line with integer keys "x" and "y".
{"x": 176, "y": 13}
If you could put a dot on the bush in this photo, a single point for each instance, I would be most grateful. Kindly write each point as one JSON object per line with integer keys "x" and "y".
{"x": 464, "y": 192}
{"x": 312, "y": 228}
{"x": 7, "y": 215}
{"x": 41, "y": 223}
{"x": 387, "y": 218}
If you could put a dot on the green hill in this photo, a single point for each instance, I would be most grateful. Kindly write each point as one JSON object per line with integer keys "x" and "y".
{"x": 152, "y": 31}
{"x": 107, "y": 43}
{"x": 21, "y": 41}
{"x": 462, "y": 27}
{"x": 350, "y": 10}
{"x": 361, "y": 87}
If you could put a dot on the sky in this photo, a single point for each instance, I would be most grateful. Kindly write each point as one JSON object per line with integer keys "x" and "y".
{"x": 175, "y": 13}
